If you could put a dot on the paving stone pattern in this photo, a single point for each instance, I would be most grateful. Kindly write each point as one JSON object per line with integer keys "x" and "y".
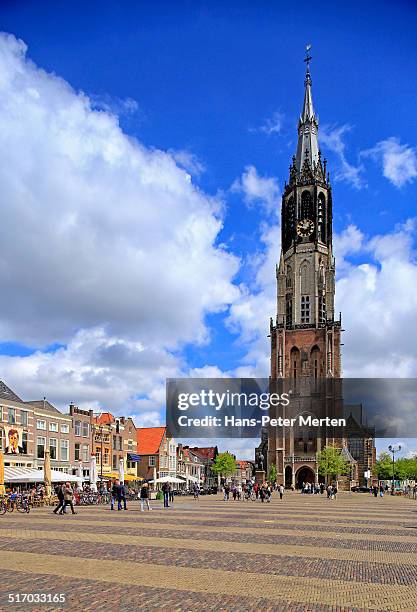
{"x": 303, "y": 553}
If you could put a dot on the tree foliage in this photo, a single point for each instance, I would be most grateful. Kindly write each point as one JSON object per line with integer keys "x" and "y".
{"x": 331, "y": 463}
{"x": 272, "y": 473}
{"x": 404, "y": 468}
{"x": 383, "y": 467}
{"x": 224, "y": 465}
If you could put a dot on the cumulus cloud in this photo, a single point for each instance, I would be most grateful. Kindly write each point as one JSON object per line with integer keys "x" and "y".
{"x": 379, "y": 304}
{"x": 249, "y": 315}
{"x": 96, "y": 371}
{"x": 98, "y": 230}
{"x": 399, "y": 161}
{"x": 332, "y": 137}
{"x": 257, "y": 189}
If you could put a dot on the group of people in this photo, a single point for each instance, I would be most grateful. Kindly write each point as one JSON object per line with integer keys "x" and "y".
{"x": 65, "y": 494}
{"x": 250, "y": 490}
{"x": 311, "y": 488}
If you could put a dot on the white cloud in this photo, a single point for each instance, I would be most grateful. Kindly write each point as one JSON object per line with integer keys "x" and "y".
{"x": 379, "y": 304}
{"x": 250, "y": 314}
{"x": 399, "y": 162}
{"x": 272, "y": 125}
{"x": 95, "y": 370}
{"x": 349, "y": 242}
{"x": 258, "y": 190}
{"x": 117, "y": 106}
{"x": 188, "y": 161}
{"x": 332, "y": 138}
{"x": 96, "y": 229}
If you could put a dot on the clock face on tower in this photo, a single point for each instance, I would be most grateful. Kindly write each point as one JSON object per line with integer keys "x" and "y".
{"x": 305, "y": 227}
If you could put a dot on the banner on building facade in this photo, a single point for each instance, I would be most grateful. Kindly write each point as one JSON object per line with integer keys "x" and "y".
{"x": 13, "y": 440}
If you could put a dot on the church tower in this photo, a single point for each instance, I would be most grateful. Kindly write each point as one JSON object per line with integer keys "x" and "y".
{"x": 305, "y": 337}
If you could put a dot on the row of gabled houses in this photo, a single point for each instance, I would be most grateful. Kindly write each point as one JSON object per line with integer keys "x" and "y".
{"x": 29, "y": 428}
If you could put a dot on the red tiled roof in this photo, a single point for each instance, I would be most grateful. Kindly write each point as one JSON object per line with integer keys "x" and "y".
{"x": 205, "y": 451}
{"x": 149, "y": 439}
{"x": 105, "y": 418}
{"x": 242, "y": 464}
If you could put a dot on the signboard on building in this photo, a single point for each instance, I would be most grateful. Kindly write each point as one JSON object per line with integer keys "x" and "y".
{"x": 14, "y": 440}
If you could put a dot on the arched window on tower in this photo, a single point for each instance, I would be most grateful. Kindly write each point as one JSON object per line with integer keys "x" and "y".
{"x": 315, "y": 362}
{"x": 295, "y": 362}
{"x": 304, "y": 277}
{"x": 289, "y": 223}
{"x": 288, "y": 277}
{"x": 321, "y": 217}
{"x": 307, "y": 206}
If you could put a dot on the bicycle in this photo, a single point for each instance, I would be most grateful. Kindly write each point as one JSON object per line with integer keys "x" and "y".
{"x": 3, "y": 506}
{"x": 23, "y": 505}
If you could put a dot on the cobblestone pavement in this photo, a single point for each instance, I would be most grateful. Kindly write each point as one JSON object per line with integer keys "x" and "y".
{"x": 303, "y": 553}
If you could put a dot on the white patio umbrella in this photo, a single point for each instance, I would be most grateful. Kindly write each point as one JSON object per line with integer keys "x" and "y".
{"x": 93, "y": 473}
{"x": 121, "y": 470}
{"x": 171, "y": 479}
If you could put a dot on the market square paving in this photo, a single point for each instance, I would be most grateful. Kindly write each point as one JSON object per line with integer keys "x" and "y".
{"x": 304, "y": 553}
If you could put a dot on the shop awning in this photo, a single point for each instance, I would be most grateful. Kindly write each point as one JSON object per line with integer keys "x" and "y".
{"x": 131, "y": 477}
{"x": 19, "y": 475}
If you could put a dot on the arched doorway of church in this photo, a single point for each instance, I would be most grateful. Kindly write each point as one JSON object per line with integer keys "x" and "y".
{"x": 288, "y": 477}
{"x": 304, "y": 474}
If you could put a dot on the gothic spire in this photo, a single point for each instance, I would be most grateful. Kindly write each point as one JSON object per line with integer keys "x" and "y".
{"x": 307, "y": 148}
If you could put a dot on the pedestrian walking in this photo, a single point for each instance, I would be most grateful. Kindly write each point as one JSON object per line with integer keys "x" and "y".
{"x": 61, "y": 504}
{"x": 381, "y": 490}
{"x": 165, "y": 491}
{"x": 281, "y": 491}
{"x": 68, "y": 497}
{"x": 144, "y": 497}
{"x": 116, "y": 495}
{"x": 123, "y": 490}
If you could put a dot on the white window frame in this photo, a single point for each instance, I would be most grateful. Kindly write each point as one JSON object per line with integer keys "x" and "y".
{"x": 44, "y": 446}
{"x": 85, "y": 452}
{"x": 56, "y": 448}
{"x": 53, "y": 426}
{"x": 65, "y": 428}
{"x": 64, "y": 446}
{"x": 39, "y": 426}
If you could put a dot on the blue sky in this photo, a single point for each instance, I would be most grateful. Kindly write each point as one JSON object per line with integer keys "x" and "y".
{"x": 219, "y": 89}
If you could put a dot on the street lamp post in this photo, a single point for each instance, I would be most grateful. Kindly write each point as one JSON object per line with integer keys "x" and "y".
{"x": 101, "y": 455}
{"x": 393, "y": 448}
